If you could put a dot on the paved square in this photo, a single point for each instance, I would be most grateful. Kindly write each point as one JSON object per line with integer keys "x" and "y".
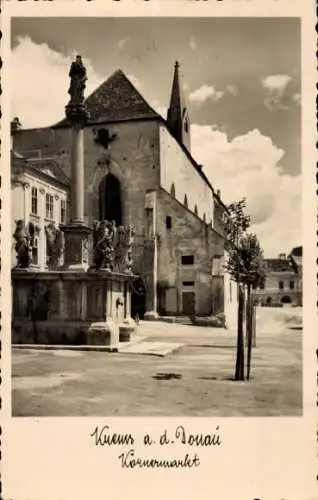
{"x": 194, "y": 380}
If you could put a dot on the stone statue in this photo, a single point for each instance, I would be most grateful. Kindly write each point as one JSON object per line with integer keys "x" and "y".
{"x": 54, "y": 244}
{"x": 24, "y": 244}
{"x": 104, "y": 236}
{"x": 130, "y": 232}
{"x": 78, "y": 78}
{"x": 123, "y": 249}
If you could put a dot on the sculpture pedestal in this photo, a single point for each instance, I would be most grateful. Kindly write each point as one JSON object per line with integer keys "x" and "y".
{"x": 76, "y": 247}
{"x": 103, "y": 333}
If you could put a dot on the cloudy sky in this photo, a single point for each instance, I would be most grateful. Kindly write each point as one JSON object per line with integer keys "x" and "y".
{"x": 242, "y": 83}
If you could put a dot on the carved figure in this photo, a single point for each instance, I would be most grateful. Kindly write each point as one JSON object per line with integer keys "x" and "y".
{"x": 123, "y": 249}
{"x": 54, "y": 244}
{"x": 24, "y": 243}
{"x": 78, "y": 78}
{"x": 104, "y": 236}
{"x": 129, "y": 243}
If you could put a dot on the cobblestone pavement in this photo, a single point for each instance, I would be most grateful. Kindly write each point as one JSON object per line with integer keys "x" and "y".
{"x": 196, "y": 380}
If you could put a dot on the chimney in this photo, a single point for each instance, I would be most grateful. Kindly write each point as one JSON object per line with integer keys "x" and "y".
{"x": 218, "y": 193}
{"x": 15, "y": 125}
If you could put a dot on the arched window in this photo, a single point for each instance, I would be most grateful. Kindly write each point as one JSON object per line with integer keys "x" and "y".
{"x": 185, "y": 201}
{"x": 110, "y": 207}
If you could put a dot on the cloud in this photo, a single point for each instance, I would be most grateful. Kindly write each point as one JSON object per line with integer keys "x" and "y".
{"x": 205, "y": 92}
{"x": 275, "y": 87}
{"x": 193, "y": 44}
{"x": 122, "y": 42}
{"x": 137, "y": 83}
{"x": 40, "y": 82}
{"x": 161, "y": 110}
{"x": 248, "y": 166}
{"x": 231, "y": 89}
{"x": 297, "y": 98}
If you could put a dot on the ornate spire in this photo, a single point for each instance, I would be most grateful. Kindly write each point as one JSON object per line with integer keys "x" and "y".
{"x": 178, "y": 118}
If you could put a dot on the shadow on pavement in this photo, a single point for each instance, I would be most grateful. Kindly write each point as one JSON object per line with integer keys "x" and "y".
{"x": 167, "y": 376}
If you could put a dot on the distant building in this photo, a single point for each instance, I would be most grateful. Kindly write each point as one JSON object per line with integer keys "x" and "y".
{"x": 39, "y": 196}
{"x": 283, "y": 283}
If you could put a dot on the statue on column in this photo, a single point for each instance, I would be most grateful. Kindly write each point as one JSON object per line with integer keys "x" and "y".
{"x": 78, "y": 78}
{"x": 76, "y": 111}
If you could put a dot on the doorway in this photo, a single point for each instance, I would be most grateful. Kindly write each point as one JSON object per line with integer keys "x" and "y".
{"x": 110, "y": 206}
{"x": 188, "y": 303}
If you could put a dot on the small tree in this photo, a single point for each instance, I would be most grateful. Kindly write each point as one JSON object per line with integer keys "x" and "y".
{"x": 235, "y": 224}
{"x": 246, "y": 267}
{"x": 246, "y": 262}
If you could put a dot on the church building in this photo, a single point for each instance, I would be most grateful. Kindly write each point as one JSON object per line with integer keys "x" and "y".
{"x": 139, "y": 171}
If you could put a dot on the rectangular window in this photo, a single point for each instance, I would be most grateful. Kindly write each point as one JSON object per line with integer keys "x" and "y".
{"x": 63, "y": 211}
{"x": 292, "y": 285}
{"x": 49, "y": 206}
{"x": 281, "y": 285}
{"x": 34, "y": 201}
{"x": 168, "y": 222}
{"x": 262, "y": 285}
{"x": 188, "y": 283}
{"x": 187, "y": 260}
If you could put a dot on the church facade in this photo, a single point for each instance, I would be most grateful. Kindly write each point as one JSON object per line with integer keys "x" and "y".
{"x": 139, "y": 171}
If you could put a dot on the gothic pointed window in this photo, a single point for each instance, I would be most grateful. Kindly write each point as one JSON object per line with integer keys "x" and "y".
{"x": 110, "y": 207}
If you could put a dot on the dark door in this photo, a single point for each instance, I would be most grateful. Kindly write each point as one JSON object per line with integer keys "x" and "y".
{"x": 188, "y": 302}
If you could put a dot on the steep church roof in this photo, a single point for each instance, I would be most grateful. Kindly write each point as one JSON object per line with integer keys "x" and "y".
{"x": 116, "y": 100}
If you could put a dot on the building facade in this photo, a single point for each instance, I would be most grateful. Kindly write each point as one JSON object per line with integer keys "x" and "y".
{"x": 139, "y": 170}
{"x": 40, "y": 197}
{"x": 283, "y": 283}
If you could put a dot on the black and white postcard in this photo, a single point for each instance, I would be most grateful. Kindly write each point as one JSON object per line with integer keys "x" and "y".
{"x": 158, "y": 250}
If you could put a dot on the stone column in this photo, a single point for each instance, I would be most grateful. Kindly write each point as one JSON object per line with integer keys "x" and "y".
{"x": 151, "y": 256}
{"x": 76, "y": 232}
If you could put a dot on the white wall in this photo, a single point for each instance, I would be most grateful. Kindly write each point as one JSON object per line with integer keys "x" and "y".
{"x": 177, "y": 169}
{"x": 21, "y": 209}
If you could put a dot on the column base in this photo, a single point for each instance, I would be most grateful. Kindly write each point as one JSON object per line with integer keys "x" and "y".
{"x": 76, "y": 247}
{"x": 151, "y": 315}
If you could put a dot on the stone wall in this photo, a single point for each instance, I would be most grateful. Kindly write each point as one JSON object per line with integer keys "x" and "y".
{"x": 188, "y": 236}
{"x": 178, "y": 175}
